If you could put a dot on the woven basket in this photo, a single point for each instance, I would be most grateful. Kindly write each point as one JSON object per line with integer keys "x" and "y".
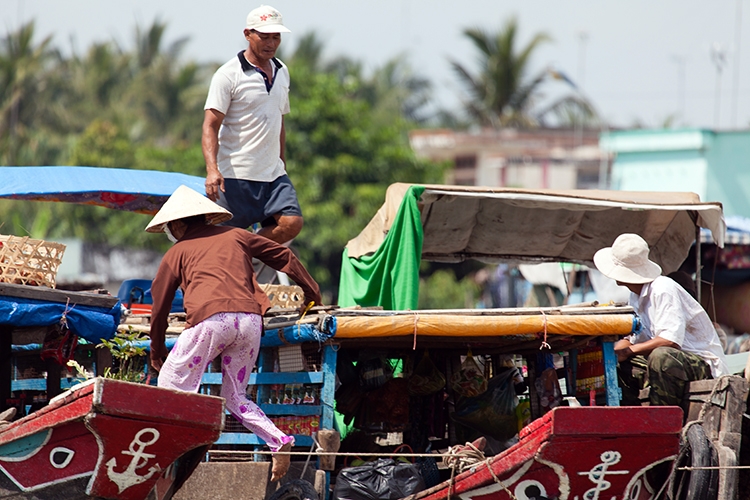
{"x": 26, "y": 261}
{"x": 283, "y": 296}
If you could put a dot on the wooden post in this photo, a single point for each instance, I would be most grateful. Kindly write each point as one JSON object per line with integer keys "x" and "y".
{"x": 103, "y": 359}
{"x": 614, "y": 393}
{"x": 54, "y": 371}
{"x": 531, "y": 367}
{"x": 329, "y": 387}
{"x": 6, "y": 365}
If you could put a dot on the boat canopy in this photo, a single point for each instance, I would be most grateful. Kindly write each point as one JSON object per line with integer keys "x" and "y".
{"x": 141, "y": 191}
{"x": 516, "y": 225}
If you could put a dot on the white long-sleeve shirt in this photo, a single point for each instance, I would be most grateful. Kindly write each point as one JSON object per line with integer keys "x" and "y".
{"x": 668, "y": 311}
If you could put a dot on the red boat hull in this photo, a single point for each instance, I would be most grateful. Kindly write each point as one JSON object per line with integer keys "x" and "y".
{"x": 109, "y": 439}
{"x": 574, "y": 454}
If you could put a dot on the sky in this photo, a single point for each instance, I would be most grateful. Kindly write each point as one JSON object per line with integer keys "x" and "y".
{"x": 642, "y": 62}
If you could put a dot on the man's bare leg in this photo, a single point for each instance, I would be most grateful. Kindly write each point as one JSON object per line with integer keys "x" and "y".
{"x": 285, "y": 229}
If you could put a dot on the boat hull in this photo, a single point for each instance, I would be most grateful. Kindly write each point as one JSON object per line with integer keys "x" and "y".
{"x": 577, "y": 453}
{"x": 109, "y": 439}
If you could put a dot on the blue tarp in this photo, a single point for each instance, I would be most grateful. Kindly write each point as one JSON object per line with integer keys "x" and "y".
{"x": 142, "y": 191}
{"x": 297, "y": 334}
{"x": 88, "y": 322}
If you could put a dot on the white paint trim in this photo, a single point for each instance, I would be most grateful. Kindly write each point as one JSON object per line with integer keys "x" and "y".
{"x": 496, "y": 487}
{"x": 68, "y": 459}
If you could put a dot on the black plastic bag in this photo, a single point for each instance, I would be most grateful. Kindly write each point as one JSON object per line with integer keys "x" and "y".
{"x": 493, "y": 413}
{"x": 385, "y": 479}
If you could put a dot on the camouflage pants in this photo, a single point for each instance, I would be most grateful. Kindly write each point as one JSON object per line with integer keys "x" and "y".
{"x": 666, "y": 371}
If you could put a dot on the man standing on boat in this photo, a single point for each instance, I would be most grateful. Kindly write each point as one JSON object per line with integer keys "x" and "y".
{"x": 243, "y": 133}
{"x": 678, "y": 342}
{"x": 224, "y": 306}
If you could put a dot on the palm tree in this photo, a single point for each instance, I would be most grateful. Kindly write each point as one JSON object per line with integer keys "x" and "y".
{"x": 500, "y": 94}
{"x": 23, "y": 67}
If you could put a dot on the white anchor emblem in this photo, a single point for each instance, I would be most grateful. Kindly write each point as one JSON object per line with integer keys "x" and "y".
{"x": 598, "y": 473}
{"x": 128, "y": 477}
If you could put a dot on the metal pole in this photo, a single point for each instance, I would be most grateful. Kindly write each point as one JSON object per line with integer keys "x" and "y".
{"x": 698, "y": 263}
{"x": 737, "y": 46}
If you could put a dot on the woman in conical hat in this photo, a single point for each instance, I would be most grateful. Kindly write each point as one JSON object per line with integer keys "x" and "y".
{"x": 223, "y": 303}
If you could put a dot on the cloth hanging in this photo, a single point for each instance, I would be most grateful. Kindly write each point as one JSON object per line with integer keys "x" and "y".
{"x": 389, "y": 277}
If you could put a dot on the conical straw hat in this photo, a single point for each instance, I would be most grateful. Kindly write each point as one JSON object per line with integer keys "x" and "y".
{"x": 186, "y": 202}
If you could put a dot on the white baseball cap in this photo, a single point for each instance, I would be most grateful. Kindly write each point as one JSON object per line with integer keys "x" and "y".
{"x": 627, "y": 260}
{"x": 186, "y": 202}
{"x": 266, "y": 19}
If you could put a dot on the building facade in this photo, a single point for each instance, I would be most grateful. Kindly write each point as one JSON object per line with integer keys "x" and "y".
{"x": 713, "y": 164}
{"x": 533, "y": 159}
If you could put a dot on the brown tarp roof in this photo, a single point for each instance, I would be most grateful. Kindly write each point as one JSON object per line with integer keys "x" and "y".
{"x": 504, "y": 224}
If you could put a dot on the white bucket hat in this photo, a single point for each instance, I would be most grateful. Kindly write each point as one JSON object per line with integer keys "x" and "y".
{"x": 266, "y": 19}
{"x": 627, "y": 260}
{"x": 186, "y": 202}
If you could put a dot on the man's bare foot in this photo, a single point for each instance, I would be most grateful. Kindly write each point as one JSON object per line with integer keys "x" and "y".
{"x": 280, "y": 462}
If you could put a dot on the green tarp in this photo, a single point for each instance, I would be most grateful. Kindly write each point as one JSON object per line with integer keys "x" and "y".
{"x": 390, "y": 276}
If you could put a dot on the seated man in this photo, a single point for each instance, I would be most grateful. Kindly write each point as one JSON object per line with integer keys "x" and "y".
{"x": 677, "y": 344}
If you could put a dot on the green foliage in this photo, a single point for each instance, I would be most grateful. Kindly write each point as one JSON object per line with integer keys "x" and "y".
{"x": 102, "y": 144}
{"x": 441, "y": 290}
{"x": 342, "y": 158}
{"x": 127, "y": 356}
{"x": 347, "y": 134}
{"x": 500, "y": 94}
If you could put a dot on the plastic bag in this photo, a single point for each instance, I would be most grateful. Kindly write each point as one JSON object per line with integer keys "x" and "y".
{"x": 426, "y": 378}
{"x": 469, "y": 381}
{"x": 493, "y": 412}
{"x": 548, "y": 389}
{"x": 385, "y": 479}
{"x": 59, "y": 344}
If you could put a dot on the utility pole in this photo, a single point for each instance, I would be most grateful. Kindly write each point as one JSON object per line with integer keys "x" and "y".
{"x": 719, "y": 58}
{"x": 583, "y": 37}
{"x": 680, "y": 61}
{"x": 737, "y": 46}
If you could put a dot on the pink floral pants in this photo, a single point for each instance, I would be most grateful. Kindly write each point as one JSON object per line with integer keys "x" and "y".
{"x": 236, "y": 337}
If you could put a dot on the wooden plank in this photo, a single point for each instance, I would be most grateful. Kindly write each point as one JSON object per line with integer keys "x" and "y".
{"x": 298, "y": 410}
{"x": 246, "y": 438}
{"x": 40, "y": 384}
{"x": 53, "y": 295}
{"x": 115, "y": 398}
{"x": 270, "y": 378}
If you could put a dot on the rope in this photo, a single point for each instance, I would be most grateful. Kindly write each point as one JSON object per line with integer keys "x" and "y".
{"x": 464, "y": 457}
{"x": 544, "y": 342}
{"x": 302, "y": 316}
{"x": 64, "y": 317}
{"x": 316, "y": 446}
{"x": 497, "y": 480}
{"x": 328, "y": 453}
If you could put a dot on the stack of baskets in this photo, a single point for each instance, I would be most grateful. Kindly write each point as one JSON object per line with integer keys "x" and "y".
{"x": 283, "y": 296}
{"x": 27, "y": 261}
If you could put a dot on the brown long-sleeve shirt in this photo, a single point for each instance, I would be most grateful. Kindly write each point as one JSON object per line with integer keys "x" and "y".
{"x": 213, "y": 265}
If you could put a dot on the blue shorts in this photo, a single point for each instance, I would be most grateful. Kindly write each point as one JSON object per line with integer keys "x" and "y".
{"x": 253, "y": 202}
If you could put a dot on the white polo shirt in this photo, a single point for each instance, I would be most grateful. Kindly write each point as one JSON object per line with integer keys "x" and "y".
{"x": 249, "y": 137}
{"x": 667, "y": 310}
